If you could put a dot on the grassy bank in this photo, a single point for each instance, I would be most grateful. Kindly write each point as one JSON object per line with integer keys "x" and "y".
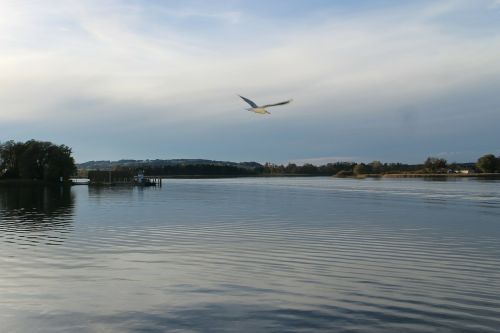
{"x": 423, "y": 175}
{"x": 442, "y": 175}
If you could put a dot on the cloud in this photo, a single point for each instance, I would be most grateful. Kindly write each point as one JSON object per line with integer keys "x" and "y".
{"x": 81, "y": 61}
{"x": 232, "y": 17}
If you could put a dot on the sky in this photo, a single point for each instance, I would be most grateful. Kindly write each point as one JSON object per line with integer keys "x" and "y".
{"x": 370, "y": 80}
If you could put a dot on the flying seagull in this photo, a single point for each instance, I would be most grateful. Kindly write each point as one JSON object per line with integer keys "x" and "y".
{"x": 261, "y": 109}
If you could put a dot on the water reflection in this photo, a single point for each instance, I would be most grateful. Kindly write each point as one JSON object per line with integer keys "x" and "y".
{"x": 253, "y": 255}
{"x": 35, "y": 213}
{"x": 107, "y": 192}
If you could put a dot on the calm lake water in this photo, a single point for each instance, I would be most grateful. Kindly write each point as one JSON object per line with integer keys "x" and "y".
{"x": 252, "y": 255}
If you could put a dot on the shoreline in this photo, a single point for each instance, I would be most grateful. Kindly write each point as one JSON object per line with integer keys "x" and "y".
{"x": 442, "y": 175}
{"x": 491, "y": 176}
{"x": 32, "y": 182}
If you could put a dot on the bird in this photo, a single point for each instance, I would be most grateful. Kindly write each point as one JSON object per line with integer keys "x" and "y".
{"x": 262, "y": 109}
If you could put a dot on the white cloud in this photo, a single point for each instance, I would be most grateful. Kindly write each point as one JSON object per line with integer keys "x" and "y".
{"x": 108, "y": 56}
{"x": 232, "y": 17}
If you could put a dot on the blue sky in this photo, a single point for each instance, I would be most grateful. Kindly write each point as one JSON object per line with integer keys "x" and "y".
{"x": 385, "y": 80}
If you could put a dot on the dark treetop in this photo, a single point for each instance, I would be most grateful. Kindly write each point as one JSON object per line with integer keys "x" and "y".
{"x": 36, "y": 160}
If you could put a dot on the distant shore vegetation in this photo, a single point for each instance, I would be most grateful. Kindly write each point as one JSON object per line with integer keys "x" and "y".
{"x": 104, "y": 171}
{"x": 48, "y": 162}
{"x": 36, "y": 161}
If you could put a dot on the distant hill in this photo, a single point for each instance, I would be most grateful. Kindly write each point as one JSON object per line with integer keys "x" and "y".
{"x": 109, "y": 165}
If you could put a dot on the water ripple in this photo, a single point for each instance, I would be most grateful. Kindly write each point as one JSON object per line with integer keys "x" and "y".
{"x": 254, "y": 255}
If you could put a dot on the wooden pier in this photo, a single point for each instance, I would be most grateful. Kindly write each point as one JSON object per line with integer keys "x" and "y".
{"x": 151, "y": 181}
{"x": 111, "y": 178}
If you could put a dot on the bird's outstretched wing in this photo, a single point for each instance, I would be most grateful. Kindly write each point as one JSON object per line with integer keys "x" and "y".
{"x": 275, "y": 104}
{"x": 251, "y": 103}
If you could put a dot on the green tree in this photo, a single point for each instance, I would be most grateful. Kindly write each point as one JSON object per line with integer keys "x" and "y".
{"x": 308, "y": 169}
{"x": 359, "y": 169}
{"x": 434, "y": 164}
{"x": 488, "y": 163}
{"x": 376, "y": 167}
{"x": 59, "y": 164}
{"x": 36, "y": 160}
{"x": 10, "y": 153}
{"x": 291, "y": 168}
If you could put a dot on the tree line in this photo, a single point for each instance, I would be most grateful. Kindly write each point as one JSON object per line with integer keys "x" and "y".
{"x": 36, "y": 160}
{"x": 42, "y": 160}
{"x": 432, "y": 165}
